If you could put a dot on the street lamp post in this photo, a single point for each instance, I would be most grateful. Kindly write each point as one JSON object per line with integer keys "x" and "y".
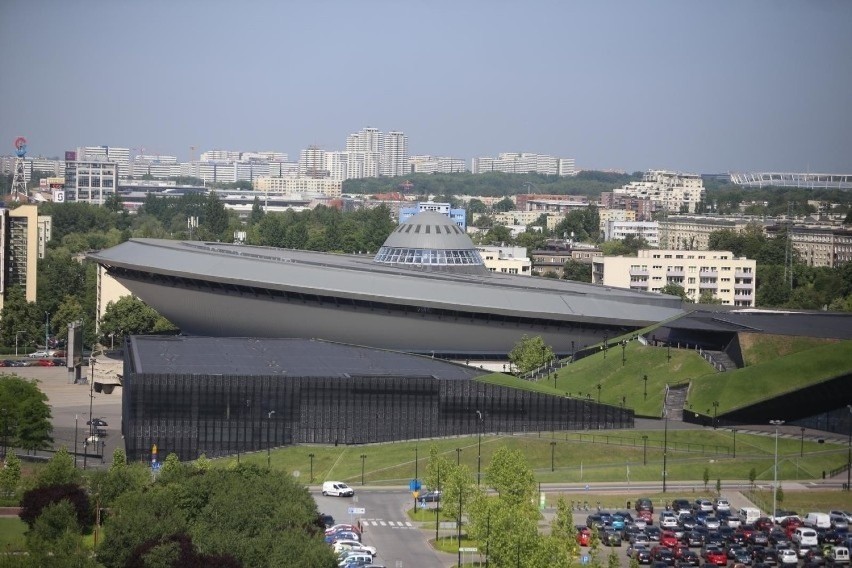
{"x": 775, "y": 423}
{"x": 311, "y": 457}
{"x": 802, "y": 447}
{"x": 91, "y": 399}
{"x": 669, "y": 354}
{"x": 715, "y": 408}
{"x": 479, "y": 448}
{"x": 734, "y": 430}
{"x": 849, "y": 452}
{"x": 438, "y": 502}
{"x": 458, "y": 525}
{"x": 645, "y": 450}
{"x": 665, "y": 447}
{"x": 605, "y": 344}
{"x": 599, "y": 393}
{"x": 46, "y": 331}
{"x": 645, "y": 378}
{"x": 552, "y": 454}
{"x": 415, "y": 475}
{"x": 623, "y": 347}
{"x": 363, "y": 459}
{"x": 268, "y": 443}
{"x": 458, "y": 456}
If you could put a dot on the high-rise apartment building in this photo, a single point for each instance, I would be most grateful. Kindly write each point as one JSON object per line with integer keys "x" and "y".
{"x": 395, "y": 154}
{"x": 523, "y": 163}
{"x": 19, "y": 249}
{"x": 89, "y": 180}
{"x": 436, "y": 165}
{"x": 312, "y": 162}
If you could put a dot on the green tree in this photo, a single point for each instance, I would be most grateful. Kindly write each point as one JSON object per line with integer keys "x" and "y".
{"x": 59, "y": 470}
{"x": 504, "y": 205}
{"x": 706, "y": 477}
{"x": 675, "y": 290}
{"x": 577, "y": 271}
{"x": 55, "y": 540}
{"x": 752, "y": 476}
{"x": 708, "y": 297}
{"x": 10, "y": 475}
{"x": 19, "y": 315}
{"x": 563, "y": 530}
{"x": 27, "y": 417}
{"x": 497, "y": 235}
{"x": 510, "y": 476}
{"x": 131, "y": 316}
{"x": 718, "y": 486}
{"x": 530, "y": 353}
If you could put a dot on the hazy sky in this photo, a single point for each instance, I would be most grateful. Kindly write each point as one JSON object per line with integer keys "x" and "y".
{"x": 684, "y": 85}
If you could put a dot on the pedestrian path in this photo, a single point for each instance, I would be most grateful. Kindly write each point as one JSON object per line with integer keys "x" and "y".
{"x": 387, "y": 524}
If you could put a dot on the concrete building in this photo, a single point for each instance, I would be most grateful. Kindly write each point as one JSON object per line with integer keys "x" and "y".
{"x": 554, "y": 257}
{"x": 299, "y": 186}
{"x": 459, "y": 216}
{"x": 508, "y": 260}
{"x": 729, "y": 279}
{"x": 523, "y": 163}
{"x": 642, "y": 207}
{"x": 692, "y": 232}
{"x": 649, "y": 231}
{"x": 819, "y": 245}
{"x": 395, "y": 154}
{"x": 89, "y": 181}
{"x": 19, "y": 251}
{"x": 436, "y": 165}
{"x": 109, "y": 291}
{"x": 669, "y": 191}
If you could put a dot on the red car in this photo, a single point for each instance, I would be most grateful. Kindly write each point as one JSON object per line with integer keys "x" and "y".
{"x": 584, "y": 534}
{"x": 646, "y": 515}
{"x": 715, "y": 556}
{"x": 668, "y": 539}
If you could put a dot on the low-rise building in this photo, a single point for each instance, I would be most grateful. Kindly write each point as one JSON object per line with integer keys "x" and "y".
{"x": 299, "y": 185}
{"x": 819, "y": 245}
{"x": 649, "y": 231}
{"x": 731, "y": 280}
{"x": 508, "y": 260}
{"x": 553, "y": 258}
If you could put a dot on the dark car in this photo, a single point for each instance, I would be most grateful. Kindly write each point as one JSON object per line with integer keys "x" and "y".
{"x": 430, "y": 497}
{"x": 688, "y": 522}
{"x": 595, "y": 522}
{"x": 833, "y": 537}
{"x": 694, "y": 539}
{"x": 681, "y": 506}
{"x": 663, "y": 554}
{"x": 653, "y": 533}
{"x": 611, "y": 538}
{"x": 764, "y": 524}
{"x": 326, "y": 520}
{"x": 689, "y": 558}
{"x": 758, "y": 538}
{"x": 97, "y": 422}
{"x": 814, "y": 557}
{"x": 641, "y": 554}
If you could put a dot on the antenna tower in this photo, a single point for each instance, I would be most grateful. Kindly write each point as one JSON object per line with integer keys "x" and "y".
{"x": 19, "y": 180}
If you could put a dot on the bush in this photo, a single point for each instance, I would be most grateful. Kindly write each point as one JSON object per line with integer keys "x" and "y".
{"x": 35, "y": 500}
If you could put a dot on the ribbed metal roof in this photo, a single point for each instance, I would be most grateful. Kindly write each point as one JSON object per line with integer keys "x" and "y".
{"x": 243, "y": 356}
{"x": 429, "y": 230}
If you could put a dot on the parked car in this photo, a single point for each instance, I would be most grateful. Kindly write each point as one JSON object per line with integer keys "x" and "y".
{"x": 38, "y": 354}
{"x": 787, "y": 556}
{"x": 326, "y": 520}
{"x": 715, "y": 556}
{"x": 584, "y": 534}
{"x": 838, "y": 555}
{"x": 668, "y": 539}
{"x": 344, "y": 544}
{"x": 845, "y": 514}
{"x": 611, "y": 537}
{"x": 662, "y": 554}
{"x": 689, "y": 558}
{"x": 681, "y": 506}
{"x": 694, "y": 539}
{"x": 838, "y": 521}
{"x": 641, "y": 553}
{"x": 721, "y": 505}
{"x": 703, "y": 505}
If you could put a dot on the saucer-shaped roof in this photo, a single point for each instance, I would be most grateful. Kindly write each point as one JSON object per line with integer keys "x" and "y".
{"x": 431, "y": 241}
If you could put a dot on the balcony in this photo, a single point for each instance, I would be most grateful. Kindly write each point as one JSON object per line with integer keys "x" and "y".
{"x": 638, "y": 272}
{"x": 674, "y": 273}
{"x": 708, "y": 273}
{"x": 743, "y": 274}
{"x": 748, "y": 286}
{"x": 708, "y": 286}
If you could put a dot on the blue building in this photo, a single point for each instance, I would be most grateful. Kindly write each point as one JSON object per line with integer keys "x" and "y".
{"x": 459, "y": 216}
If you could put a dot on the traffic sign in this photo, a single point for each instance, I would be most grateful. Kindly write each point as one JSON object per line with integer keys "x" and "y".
{"x": 357, "y": 510}
{"x": 414, "y": 485}
{"x": 470, "y": 549}
{"x": 447, "y": 524}
{"x": 584, "y": 559}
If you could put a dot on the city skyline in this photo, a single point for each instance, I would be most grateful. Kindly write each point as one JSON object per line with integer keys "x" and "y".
{"x": 759, "y": 86}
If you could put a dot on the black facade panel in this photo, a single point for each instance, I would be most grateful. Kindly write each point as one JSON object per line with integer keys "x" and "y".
{"x": 192, "y": 415}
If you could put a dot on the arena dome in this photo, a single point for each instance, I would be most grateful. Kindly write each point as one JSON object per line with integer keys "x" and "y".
{"x": 431, "y": 241}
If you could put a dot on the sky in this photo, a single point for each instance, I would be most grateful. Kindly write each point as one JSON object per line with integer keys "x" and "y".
{"x": 702, "y": 87}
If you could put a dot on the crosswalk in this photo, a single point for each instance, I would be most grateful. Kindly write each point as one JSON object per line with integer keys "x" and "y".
{"x": 388, "y": 524}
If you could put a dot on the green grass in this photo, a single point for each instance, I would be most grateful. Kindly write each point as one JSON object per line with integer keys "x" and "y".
{"x": 578, "y": 457}
{"x": 761, "y": 348}
{"x": 12, "y": 531}
{"x": 625, "y": 380}
{"x": 743, "y": 387}
{"x": 515, "y": 382}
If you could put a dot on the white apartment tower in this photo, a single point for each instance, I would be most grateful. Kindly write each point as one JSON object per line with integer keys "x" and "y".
{"x": 395, "y": 155}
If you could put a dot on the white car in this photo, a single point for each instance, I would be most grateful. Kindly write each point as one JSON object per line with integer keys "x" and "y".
{"x": 722, "y": 505}
{"x": 787, "y": 556}
{"x": 668, "y": 521}
{"x": 341, "y": 545}
{"x": 38, "y": 355}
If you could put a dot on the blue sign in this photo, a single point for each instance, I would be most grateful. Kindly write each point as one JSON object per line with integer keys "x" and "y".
{"x": 584, "y": 559}
{"x": 414, "y": 485}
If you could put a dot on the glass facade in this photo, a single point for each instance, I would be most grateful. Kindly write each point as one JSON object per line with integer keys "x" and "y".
{"x": 223, "y": 415}
{"x": 418, "y": 256}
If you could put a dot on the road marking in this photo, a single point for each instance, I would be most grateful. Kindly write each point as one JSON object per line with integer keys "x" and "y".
{"x": 382, "y": 523}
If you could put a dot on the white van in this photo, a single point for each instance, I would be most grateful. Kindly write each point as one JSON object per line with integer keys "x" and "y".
{"x": 838, "y": 555}
{"x": 337, "y": 489}
{"x": 748, "y": 515}
{"x": 817, "y": 520}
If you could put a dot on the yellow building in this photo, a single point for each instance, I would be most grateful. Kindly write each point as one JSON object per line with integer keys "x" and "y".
{"x": 19, "y": 247}
{"x": 731, "y": 280}
{"x": 299, "y": 186}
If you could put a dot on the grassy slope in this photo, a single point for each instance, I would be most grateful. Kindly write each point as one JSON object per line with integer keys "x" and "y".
{"x": 761, "y": 348}
{"x": 780, "y": 365}
{"x": 12, "y": 534}
{"x": 778, "y": 375}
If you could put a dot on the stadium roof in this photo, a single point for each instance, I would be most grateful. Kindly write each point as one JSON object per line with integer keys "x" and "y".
{"x": 829, "y": 325}
{"x": 243, "y": 356}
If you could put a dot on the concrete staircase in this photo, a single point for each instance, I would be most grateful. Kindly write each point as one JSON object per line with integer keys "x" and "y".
{"x": 675, "y": 400}
{"x": 722, "y": 358}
